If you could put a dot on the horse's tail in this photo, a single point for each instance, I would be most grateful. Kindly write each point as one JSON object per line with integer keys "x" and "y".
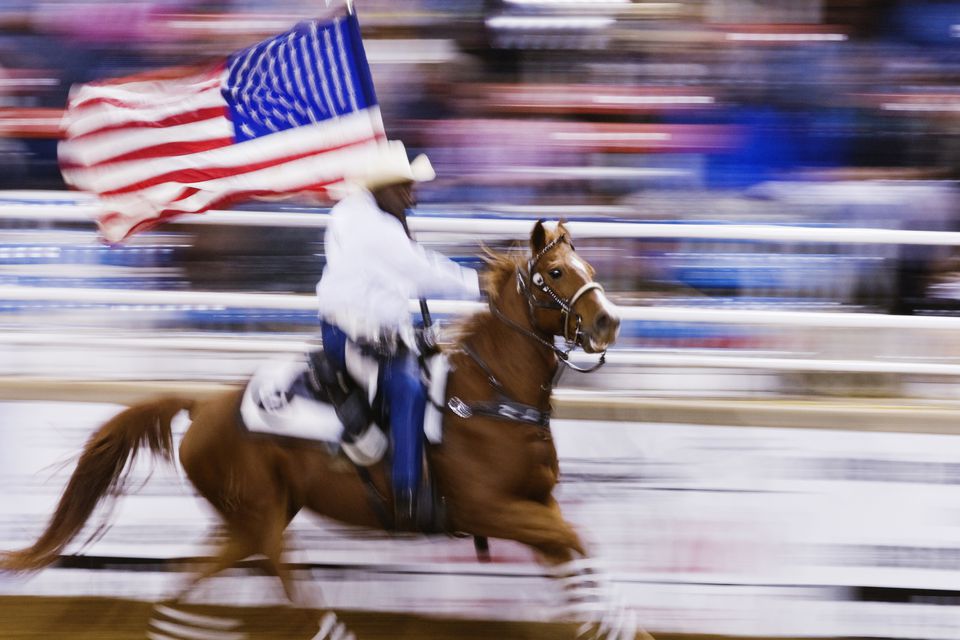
{"x": 100, "y": 474}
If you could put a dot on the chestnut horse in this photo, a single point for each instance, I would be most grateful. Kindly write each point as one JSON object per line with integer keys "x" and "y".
{"x": 496, "y": 466}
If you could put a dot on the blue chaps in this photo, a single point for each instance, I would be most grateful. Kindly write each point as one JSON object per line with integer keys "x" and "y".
{"x": 405, "y": 399}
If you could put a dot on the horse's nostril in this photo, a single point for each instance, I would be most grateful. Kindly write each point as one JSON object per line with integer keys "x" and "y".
{"x": 602, "y": 321}
{"x": 605, "y": 324}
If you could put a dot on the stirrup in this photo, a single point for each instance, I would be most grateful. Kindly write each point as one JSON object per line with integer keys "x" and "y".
{"x": 367, "y": 448}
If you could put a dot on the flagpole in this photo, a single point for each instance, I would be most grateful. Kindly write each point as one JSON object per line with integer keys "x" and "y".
{"x": 348, "y": 4}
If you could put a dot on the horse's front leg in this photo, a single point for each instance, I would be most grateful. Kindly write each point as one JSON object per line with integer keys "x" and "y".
{"x": 588, "y": 595}
{"x": 592, "y": 599}
{"x": 534, "y": 524}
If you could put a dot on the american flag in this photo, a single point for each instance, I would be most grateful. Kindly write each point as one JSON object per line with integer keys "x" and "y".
{"x": 293, "y": 113}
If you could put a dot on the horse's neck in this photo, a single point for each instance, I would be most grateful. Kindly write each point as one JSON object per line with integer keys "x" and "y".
{"x": 523, "y": 365}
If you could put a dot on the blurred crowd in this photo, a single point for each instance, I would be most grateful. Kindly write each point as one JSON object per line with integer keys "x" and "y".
{"x": 560, "y": 100}
{"x": 832, "y": 112}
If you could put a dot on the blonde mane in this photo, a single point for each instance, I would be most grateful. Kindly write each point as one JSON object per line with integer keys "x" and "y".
{"x": 501, "y": 267}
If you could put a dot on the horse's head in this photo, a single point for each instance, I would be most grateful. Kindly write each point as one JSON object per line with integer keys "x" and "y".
{"x": 563, "y": 297}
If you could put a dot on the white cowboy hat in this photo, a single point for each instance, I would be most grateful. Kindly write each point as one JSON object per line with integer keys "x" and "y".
{"x": 390, "y": 165}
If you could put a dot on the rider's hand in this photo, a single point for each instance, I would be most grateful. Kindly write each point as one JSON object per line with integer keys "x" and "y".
{"x": 428, "y": 339}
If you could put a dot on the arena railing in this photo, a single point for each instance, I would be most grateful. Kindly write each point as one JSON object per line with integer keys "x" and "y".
{"x": 65, "y": 211}
{"x": 63, "y": 206}
{"x": 263, "y": 347}
{"x": 300, "y": 302}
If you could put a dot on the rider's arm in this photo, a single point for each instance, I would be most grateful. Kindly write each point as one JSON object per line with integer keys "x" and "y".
{"x": 430, "y": 273}
{"x": 437, "y": 275}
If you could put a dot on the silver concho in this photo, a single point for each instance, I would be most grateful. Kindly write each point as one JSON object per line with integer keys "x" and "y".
{"x": 459, "y": 407}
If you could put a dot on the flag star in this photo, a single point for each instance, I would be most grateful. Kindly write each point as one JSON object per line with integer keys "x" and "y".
{"x": 245, "y": 128}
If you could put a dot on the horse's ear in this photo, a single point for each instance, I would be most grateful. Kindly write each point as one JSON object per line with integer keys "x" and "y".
{"x": 563, "y": 231}
{"x": 538, "y": 237}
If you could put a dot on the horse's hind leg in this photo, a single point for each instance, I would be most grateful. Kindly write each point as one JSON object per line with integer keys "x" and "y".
{"x": 169, "y": 620}
{"x": 272, "y": 547}
{"x": 232, "y": 551}
{"x": 264, "y": 534}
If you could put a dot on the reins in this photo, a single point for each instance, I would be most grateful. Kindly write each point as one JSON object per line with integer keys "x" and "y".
{"x": 562, "y": 355}
{"x": 505, "y": 407}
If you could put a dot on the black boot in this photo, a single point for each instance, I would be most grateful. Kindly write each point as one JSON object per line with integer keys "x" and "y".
{"x": 349, "y": 400}
{"x": 322, "y": 378}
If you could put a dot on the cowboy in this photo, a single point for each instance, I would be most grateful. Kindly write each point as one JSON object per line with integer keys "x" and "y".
{"x": 373, "y": 269}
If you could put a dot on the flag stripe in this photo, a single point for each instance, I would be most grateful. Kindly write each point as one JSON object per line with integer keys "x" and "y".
{"x": 316, "y": 62}
{"x": 93, "y": 149}
{"x": 344, "y": 64}
{"x": 117, "y": 221}
{"x": 137, "y": 87}
{"x": 211, "y": 113}
{"x": 305, "y": 73}
{"x": 205, "y": 104}
{"x": 293, "y": 175}
{"x": 289, "y": 176}
{"x": 331, "y": 61}
{"x": 291, "y": 142}
{"x": 325, "y": 171}
{"x": 150, "y": 95}
{"x": 167, "y": 149}
{"x": 213, "y": 172}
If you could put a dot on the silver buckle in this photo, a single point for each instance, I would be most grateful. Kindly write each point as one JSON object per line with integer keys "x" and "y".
{"x": 459, "y": 407}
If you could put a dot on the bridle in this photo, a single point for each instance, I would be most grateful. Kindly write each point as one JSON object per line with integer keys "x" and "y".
{"x": 529, "y": 285}
{"x": 556, "y": 301}
{"x": 503, "y": 407}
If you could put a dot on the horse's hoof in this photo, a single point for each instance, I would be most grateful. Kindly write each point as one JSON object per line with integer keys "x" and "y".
{"x": 622, "y": 625}
{"x": 171, "y": 621}
{"x": 332, "y": 629}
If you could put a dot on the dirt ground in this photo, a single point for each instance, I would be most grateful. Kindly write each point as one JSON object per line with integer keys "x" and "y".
{"x": 89, "y": 618}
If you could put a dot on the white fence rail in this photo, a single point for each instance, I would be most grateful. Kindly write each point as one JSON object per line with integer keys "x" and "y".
{"x": 56, "y": 206}
{"x": 66, "y": 207}
{"x": 299, "y": 302}
{"x": 163, "y": 300}
{"x": 261, "y": 347}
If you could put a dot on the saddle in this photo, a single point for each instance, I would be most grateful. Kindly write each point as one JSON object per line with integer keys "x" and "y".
{"x": 306, "y": 399}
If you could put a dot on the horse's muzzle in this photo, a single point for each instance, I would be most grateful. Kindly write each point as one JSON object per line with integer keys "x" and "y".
{"x": 603, "y": 329}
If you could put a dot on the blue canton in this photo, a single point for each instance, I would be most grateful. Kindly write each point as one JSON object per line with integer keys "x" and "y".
{"x": 314, "y": 72}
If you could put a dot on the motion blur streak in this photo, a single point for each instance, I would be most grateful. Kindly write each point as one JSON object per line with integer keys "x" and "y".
{"x": 772, "y": 448}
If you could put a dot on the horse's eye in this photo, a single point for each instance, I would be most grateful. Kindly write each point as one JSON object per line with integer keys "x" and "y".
{"x": 555, "y": 273}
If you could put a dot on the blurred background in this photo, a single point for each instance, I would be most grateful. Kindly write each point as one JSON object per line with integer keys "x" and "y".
{"x": 809, "y": 112}
{"x": 739, "y": 417}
